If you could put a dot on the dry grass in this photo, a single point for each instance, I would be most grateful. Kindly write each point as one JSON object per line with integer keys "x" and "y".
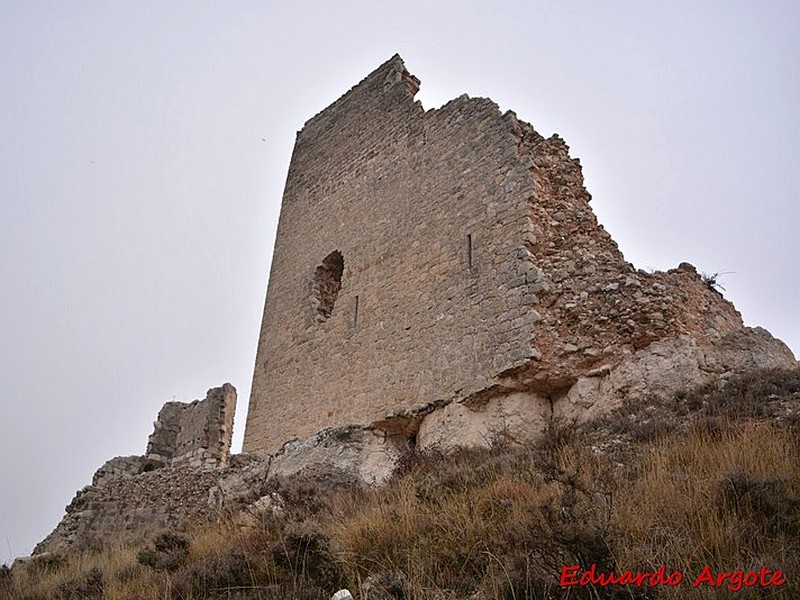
{"x": 500, "y": 523}
{"x": 113, "y": 574}
{"x": 710, "y": 478}
{"x": 729, "y": 500}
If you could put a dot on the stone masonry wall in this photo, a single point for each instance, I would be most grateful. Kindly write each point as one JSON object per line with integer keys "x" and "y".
{"x": 427, "y": 210}
{"x": 197, "y": 434}
{"x": 130, "y": 507}
{"x": 450, "y": 256}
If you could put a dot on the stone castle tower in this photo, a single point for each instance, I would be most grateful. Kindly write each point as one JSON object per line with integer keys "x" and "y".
{"x": 451, "y": 256}
{"x": 438, "y": 280}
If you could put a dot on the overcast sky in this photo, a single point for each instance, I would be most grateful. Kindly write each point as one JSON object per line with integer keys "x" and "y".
{"x": 144, "y": 146}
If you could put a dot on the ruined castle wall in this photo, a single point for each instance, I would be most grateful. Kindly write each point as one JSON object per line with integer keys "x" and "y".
{"x": 448, "y": 254}
{"x": 427, "y": 211}
{"x": 131, "y": 506}
{"x": 195, "y": 434}
{"x": 133, "y": 497}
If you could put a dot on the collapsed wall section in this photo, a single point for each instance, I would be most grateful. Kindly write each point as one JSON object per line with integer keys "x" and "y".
{"x": 131, "y": 497}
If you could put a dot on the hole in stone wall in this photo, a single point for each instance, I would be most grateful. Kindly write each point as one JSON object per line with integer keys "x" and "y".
{"x": 327, "y": 283}
{"x": 469, "y": 251}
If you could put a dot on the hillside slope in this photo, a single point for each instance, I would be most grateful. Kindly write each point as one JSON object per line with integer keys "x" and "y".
{"x": 704, "y": 483}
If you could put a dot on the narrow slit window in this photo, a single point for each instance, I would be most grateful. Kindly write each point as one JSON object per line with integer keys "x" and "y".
{"x": 469, "y": 251}
{"x": 355, "y": 313}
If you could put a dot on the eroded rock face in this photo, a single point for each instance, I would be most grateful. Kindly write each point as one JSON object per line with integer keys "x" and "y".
{"x": 241, "y": 484}
{"x": 666, "y": 367}
{"x": 340, "y": 456}
{"x": 659, "y": 370}
{"x": 508, "y": 418}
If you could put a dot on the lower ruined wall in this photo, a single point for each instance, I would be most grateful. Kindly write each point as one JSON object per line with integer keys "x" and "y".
{"x": 131, "y": 506}
{"x": 168, "y": 488}
{"x": 130, "y": 501}
{"x": 197, "y": 434}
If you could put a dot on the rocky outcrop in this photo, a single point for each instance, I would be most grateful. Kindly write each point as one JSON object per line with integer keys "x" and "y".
{"x": 341, "y": 456}
{"x": 516, "y": 414}
{"x": 241, "y": 484}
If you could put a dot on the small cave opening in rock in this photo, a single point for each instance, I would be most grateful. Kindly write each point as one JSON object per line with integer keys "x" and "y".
{"x": 327, "y": 283}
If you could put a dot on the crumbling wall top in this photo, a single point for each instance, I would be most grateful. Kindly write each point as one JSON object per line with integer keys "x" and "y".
{"x": 196, "y": 434}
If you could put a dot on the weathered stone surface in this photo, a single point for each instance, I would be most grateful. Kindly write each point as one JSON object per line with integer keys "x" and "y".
{"x": 450, "y": 257}
{"x": 241, "y": 484}
{"x": 660, "y": 370}
{"x": 513, "y": 417}
{"x": 271, "y": 506}
{"x": 197, "y": 434}
{"x": 130, "y": 508}
{"x": 123, "y": 466}
{"x": 341, "y": 456}
{"x": 666, "y": 367}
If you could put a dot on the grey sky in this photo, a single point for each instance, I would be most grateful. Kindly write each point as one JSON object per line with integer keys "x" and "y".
{"x": 144, "y": 146}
